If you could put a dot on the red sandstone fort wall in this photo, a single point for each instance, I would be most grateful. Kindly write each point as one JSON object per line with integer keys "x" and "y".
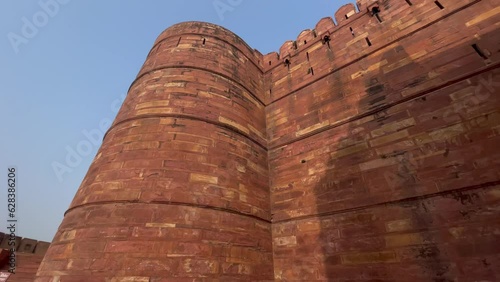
{"x": 367, "y": 149}
{"x": 179, "y": 187}
{"x": 384, "y": 158}
{"x": 28, "y": 256}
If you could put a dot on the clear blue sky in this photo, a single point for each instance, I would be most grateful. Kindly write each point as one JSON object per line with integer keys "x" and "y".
{"x": 70, "y": 70}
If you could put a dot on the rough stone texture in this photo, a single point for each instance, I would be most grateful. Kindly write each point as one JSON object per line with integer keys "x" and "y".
{"x": 384, "y": 163}
{"x": 180, "y": 187}
{"x": 365, "y": 150}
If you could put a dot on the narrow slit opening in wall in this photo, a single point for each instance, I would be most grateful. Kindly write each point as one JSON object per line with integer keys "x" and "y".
{"x": 368, "y": 41}
{"x": 409, "y": 2}
{"x": 479, "y": 51}
{"x": 314, "y": 33}
{"x": 204, "y": 41}
{"x": 287, "y": 63}
{"x": 307, "y": 56}
{"x": 305, "y": 42}
{"x": 346, "y": 17}
{"x": 270, "y": 63}
{"x": 352, "y": 31}
{"x": 295, "y": 45}
{"x": 439, "y": 5}
{"x": 311, "y": 71}
{"x": 179, "y": 42}
{"x": 376, "y": 13}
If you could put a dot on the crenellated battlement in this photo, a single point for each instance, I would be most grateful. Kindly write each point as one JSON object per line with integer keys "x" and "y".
{"x": 355, "y": 33}
{"x": 24, "y": 245}
{"x": 307, "y": 37}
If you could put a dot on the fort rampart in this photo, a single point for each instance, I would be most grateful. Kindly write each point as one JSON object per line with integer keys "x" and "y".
{"x": 366, "y": 149}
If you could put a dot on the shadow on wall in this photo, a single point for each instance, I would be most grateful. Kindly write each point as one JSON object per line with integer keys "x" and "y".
{"x": 397, "y": 212}
{"x": 352, "y": 239}
{"x": 25, "y": 261}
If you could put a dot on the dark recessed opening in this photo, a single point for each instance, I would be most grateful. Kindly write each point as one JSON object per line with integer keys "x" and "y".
{"x": 314, "y": 33}
{"x": 204, "y": 41}
{"x": 295, "y": 45}
{"x": 439, "y": 5}
{"x": 368, "y": 41}
{"x": 346, "y": 17}
{"x": 270, "y": 63}
{"x": 310, "y": 71}
{"x": 479, "y": 51}
{"x": 326, "y": 40}
{"x": 303, "y": 161}
{"x": 409, "y": 2}
{"x": 305, "y": 42}
{"x": 352, "y": 31}
{"x": 179, "y": 42}
{"x": 376, "y": 13}
{"x": 287, "y": 63}
{"x": 307, "y": 56}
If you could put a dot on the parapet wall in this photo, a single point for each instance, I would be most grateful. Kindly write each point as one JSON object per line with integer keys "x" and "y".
{"x": 372, "y": 76}
{"x": 353, "y": 39}
{"x": 28, "y": 256}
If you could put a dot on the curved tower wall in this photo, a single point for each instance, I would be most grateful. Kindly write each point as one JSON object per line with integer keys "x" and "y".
{"x": 179, "y": 188}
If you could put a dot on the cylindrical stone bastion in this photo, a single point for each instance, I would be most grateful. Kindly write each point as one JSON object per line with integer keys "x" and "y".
{"x": 179, "y": 188}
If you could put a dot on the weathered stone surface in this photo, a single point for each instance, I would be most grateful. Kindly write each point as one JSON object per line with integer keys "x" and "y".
{"x": 25, "y": 261}
{"x": 366, "y": 150}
